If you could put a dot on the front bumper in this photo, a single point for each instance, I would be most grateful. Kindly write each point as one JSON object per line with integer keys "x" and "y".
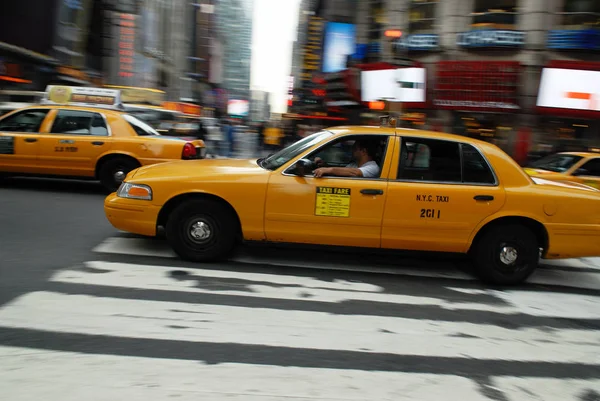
{"x": 131, "y": 215}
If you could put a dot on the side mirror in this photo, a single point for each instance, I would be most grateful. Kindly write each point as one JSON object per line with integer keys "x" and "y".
{"x": 581, "y": 171}
{"x": 302, "y": 167}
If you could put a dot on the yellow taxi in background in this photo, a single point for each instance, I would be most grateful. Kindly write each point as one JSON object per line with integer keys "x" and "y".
{"x": 581, "y": 167}
{"x": 435, "y": 192}
{"x": 84, "y": 133}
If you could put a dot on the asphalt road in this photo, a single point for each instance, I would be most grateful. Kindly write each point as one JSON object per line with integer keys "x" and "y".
{"x": 87, "y": 312}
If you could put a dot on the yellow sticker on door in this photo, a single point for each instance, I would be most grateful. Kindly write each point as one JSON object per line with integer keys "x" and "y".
{"x": 333, "y": 202}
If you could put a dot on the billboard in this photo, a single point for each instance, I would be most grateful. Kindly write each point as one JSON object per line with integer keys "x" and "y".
{"x": 236, "y": 107}
{"x": 340, "y": 42}
{"x": 312, "y": 49}
{"x": 394, "y": 85}
{"x": 569, "y": 89}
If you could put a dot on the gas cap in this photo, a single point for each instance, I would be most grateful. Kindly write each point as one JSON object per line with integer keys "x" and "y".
{"x": 550, "y": 209}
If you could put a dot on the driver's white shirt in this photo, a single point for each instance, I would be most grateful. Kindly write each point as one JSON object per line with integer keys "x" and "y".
{"x": 369, "y": 170}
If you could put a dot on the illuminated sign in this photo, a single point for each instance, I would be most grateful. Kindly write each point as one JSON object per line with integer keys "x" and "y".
{"x": 491, "y": 38}
{"x": 290, "y": 94}
{"x": 141, "y": 95}
{"x": 312, "y": 48}
{"x": 126, "y": 45}
{"x": 417, "y": 42}
{"x": 393, "y": 33}
{"x": 569, "y": 89}
{"x": 72, "y": 72}
{"x": 397, "y": 85}
{"x": 83, "y": 95}
{"x": 583, "y": 39}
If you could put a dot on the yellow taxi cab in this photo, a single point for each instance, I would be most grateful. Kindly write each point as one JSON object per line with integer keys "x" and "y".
{"x": 581, "y": 167}
{"x": 434, "y": 192}
{"x": 84, "y": 133}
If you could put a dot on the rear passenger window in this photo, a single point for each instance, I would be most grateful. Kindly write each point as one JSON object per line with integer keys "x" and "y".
{"x": 73, "y": 122}
{"x": 429, "y": 160}
{"x": 475, "y": 168}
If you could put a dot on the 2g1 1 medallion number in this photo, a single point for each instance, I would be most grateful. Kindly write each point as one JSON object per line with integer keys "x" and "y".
{"x": 430, "y": 214}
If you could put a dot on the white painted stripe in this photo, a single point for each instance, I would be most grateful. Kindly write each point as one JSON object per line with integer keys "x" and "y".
{"x": 66, "y": 376}
{"x": 573, "y": 279}
{"x": 156, "y": 278}
{"x": 548, "y": 389}
{"x": 298, "y": 329}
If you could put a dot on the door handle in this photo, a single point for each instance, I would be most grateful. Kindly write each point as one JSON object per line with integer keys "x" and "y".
{"x": 371, "y": 191}
{"x": 97, "y": 143}
{"x": 483, "y": 197}
{"x": 30, "y": 139}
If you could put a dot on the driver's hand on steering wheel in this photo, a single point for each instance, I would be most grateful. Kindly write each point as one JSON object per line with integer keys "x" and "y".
{"x": 320, "y": 172}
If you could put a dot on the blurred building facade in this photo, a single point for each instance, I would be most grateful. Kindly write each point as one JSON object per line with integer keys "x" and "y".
{"x": 260, "y": 108}
{"x": 483, "y": 61}
{"x": 172, "y": 46}
{"x": 234, "y": 19}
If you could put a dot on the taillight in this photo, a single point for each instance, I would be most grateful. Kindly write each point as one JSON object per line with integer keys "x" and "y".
{"x": 189, "y": 151}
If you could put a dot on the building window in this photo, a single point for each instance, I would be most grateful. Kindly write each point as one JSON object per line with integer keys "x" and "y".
{"x": 494, "y": 14}
{"x": 422, "y": 16}
{"x": 581, "y": 14}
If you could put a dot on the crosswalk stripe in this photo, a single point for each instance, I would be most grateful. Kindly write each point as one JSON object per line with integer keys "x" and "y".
{"x": 303, "y": 330}
{"x": 561, "y": 275}
{"x": 68, "y": 376}
{"x": 157, "y": 278}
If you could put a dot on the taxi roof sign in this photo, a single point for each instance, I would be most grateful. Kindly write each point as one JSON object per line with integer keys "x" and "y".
{"x": 83, "y": 96}
{"x": 387, "y": 121}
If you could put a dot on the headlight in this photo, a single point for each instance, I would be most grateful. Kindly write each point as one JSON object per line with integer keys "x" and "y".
{"x": 134, "y": 191}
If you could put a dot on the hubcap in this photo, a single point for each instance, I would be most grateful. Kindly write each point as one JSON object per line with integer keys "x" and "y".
{"x": 508, "y": 255}
{"x": 119, "y": 175}
{"x": 200, "y": 231}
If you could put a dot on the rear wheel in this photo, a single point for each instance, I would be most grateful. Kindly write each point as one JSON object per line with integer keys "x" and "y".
{"x": 113, "y": 172}
{"x": 506, "y": 254}
{"x": 201, "y": 230}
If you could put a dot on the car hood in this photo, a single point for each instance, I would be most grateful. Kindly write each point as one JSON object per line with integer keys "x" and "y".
{"x": 563, "y": 184}
{"x": 186, "y": 169}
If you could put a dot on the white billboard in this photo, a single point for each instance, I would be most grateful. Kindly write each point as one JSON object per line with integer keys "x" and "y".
{"x": 569, "y": 89}
{"x": 399, "y": 85}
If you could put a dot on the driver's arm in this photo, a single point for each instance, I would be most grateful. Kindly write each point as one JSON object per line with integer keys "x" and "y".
{"x": 338, "y": 171}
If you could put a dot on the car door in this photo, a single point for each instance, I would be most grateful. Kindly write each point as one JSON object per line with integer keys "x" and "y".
{"x": 588, "y": 173}
{"x": 19, "y": 140}
{"x": 330, "y": 210}
{"x": 73, "y": 144}
{"x": 434, "y": 203}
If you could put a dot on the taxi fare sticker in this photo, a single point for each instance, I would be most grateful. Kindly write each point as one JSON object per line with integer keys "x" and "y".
{"x": 333, "y": 202}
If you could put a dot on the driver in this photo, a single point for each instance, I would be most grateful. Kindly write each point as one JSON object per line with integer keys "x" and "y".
{"x": 362, "y": 165}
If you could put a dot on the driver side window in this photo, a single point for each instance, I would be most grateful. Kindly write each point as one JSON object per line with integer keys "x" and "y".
{"x": 339, "y": 152}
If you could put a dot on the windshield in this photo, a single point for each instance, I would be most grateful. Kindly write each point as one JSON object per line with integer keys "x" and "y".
{"x": 278, "y": 159}
{"x": 140, "y": 127}
{"x": 557, "y": 163}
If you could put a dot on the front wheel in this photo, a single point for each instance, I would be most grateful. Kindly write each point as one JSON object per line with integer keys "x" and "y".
{"x": 201, "y": 230}
{"x": 506, "y": 254}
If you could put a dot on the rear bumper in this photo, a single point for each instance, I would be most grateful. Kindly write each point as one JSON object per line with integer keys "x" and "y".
{"x": 131, "y": 215}
{"x": 573, "y": 241}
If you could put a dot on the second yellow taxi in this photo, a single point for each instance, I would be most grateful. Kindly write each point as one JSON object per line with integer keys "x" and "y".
{"x": 369, "y": 187}
{"x": 84, "y": 133}
{"x": 581, "y": 167}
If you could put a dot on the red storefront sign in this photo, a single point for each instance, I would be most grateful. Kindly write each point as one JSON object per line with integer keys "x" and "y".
{"x": 477, "y": 85}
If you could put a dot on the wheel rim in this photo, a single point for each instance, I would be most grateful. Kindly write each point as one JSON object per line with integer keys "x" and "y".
{"x": 199, "y": 231}
{"x": 119, "y": 175}
{"x": 509, "y": 258}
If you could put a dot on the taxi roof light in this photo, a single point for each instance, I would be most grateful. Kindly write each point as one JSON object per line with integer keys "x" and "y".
{"x": 83, "y": 96}
{"x": 387, "y": 121}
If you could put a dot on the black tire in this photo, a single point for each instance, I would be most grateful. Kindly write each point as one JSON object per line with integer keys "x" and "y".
{"x": 207, "y": 214}
{"x": 112, "y": 168}
{"x": 494, "y": 251}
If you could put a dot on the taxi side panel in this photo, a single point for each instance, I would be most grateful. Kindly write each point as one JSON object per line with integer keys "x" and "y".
{"x": 69, "y": 154}
{"x": 145, "y": 149}
{"x": 432, "y": 216}
{"x": 246, "y": 193}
